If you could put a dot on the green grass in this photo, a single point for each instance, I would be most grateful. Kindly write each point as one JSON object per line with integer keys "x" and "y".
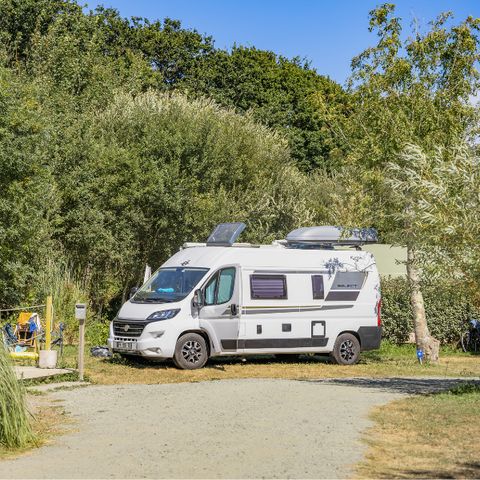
{"x": 63, "y": 377}
{"x": 15, "y": 426}
{"x": 390, "y": 350}
{"x": 390, "y": 361}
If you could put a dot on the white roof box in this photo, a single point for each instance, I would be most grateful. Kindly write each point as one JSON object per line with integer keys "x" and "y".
{"x": 331, "y": 236}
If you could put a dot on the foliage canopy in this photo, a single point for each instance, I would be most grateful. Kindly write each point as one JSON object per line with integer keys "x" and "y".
{"x": 122, "y": 138}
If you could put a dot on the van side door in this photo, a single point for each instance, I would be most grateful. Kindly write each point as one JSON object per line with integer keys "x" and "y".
{"x": 221, "y": 313}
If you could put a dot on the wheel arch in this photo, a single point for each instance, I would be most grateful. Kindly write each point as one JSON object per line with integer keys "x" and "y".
{"x": 202, "y": 333}
{"x": 352, "y": 332}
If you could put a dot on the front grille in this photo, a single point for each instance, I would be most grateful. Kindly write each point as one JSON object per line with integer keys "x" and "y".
{"x": 125, "y": 328}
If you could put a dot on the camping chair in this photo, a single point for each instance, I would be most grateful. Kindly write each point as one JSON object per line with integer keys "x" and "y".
{"x": 26, "y": 334}
{"x": 27, "y": 329}
{"x": 9, "y": 338}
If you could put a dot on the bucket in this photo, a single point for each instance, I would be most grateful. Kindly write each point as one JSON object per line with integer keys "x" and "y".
{"x": 47, "y": 359}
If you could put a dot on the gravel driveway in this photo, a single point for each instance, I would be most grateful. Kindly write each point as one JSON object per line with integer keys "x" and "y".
{"x": 220, "y": 429}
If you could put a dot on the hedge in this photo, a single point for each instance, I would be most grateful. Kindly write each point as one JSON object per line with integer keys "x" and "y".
{"x": 447, "y": 308}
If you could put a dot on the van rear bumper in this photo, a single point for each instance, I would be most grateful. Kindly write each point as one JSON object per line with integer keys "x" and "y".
{"x": 370, "y": 337}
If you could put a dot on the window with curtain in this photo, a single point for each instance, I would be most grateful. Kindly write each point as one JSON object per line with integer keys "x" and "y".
{"x": 268, "y": 287}
{"x": 317, "y": 287}
{"x": 220, "y": 287}
{"x": 226, "y": 281}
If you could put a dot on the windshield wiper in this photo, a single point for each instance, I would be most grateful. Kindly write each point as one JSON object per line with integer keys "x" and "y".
{"x": 158, "y": 299}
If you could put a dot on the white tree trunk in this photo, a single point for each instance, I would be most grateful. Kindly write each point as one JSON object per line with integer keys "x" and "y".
{"x": 423, "y": 339}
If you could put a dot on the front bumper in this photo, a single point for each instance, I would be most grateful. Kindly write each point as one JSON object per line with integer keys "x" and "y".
{"x": 153, "y": 341}
{"x": 151, "y": 348}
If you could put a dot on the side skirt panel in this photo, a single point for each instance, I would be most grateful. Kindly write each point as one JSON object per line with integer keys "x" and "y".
{"x": 259, "y": 343}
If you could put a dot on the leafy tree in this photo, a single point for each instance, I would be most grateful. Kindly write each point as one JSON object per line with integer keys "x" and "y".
{"x": 110, "y": 173}
{"x": 20, "y": 20}
{"x": 170, "y": 50}
{"x": 410, "y": 92}
{"x": 156, "y": 170}
{"x": 415, "y": 91}
{"x": 28, "y": 194}
{"x": 92, "y": 53}
{"x": 167, "y": 48}
{"x": 442, "y": 188}
{"x": 341, "y": 197}
{"x": 280, "y": 93}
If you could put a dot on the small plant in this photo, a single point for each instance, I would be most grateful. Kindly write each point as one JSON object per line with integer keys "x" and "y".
{"x": 15, "y": 428}
{"x": 465, "y": 388}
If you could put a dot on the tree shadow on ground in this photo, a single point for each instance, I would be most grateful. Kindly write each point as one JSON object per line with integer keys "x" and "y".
{"x": 464, "y": 470}
{"x": 402, "y": 385}
{"x": 217, "y": 363}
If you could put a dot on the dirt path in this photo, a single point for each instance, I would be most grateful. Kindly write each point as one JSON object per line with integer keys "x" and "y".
{"x": 219, "y": 429}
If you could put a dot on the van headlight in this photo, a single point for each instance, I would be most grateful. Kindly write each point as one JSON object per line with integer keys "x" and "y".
{"x": 163, "y": 314}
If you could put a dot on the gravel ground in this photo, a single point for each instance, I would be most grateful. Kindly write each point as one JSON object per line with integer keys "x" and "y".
{"x": 218, "y": 429}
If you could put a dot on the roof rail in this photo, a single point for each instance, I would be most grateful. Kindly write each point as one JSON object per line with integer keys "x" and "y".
{"x": 236, "y": 244}
{"x": 193, "y": 244}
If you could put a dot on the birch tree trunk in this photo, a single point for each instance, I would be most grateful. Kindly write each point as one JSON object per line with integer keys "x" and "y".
{"x": 423, "y": 339}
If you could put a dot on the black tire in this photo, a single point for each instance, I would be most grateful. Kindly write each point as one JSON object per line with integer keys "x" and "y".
{"x": 190, "y": 352}
{"x": 346, "y": 350}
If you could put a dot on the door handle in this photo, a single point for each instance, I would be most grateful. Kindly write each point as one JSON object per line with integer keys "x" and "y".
{"x": 234, "y": 309}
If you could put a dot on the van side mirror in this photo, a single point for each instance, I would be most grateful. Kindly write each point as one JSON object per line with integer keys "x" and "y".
{"x": 133, "y": 291}
{"x": 198, "y": 300}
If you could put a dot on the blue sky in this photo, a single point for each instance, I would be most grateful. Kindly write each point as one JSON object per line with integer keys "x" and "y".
{"x": 328, "y": 33}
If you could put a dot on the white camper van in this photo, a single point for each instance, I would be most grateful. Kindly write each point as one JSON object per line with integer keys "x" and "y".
{"x": 315, "y": 292}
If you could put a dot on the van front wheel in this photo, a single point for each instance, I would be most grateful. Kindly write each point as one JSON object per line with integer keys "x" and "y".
{"x": 346, "y": 350}
{"x": 190, "y": 352}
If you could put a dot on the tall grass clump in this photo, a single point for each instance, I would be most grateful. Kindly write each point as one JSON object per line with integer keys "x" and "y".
{"x": 59, "y": 279}
{"x": 15, "y": 428}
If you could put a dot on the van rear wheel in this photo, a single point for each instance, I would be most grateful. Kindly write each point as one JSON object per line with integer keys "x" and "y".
{"x": 190, "y": 352}
{"x": 346, "y": 350}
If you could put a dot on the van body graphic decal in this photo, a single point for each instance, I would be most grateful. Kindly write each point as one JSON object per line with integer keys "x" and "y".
{"x": 291, "y": 309}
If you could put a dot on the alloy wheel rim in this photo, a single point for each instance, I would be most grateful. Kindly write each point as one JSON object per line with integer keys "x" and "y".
{"x": 192, "y": 351}
{"x": 347, "y": 350}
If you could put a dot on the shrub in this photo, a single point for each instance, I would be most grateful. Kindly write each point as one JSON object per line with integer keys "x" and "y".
{"x": 97, "y": 332}
{"x": 67, "y": 287}
{"x": 156, "y": 170}
{"x": 15, "y": 429}
{"x": 447, "y": 308}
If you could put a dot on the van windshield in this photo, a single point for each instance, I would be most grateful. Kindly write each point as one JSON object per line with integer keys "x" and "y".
{"x": 169, "y": 285}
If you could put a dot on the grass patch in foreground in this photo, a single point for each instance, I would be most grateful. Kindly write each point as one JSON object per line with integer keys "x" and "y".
{"x": 431, "y": 436}
{"x": 389, "y": 361}
{"x": 47, "y": 420}
{"x": 60, "y": 378}
{"x": 15, "y": 427}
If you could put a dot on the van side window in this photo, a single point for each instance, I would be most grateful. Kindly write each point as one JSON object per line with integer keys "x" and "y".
{"x": 210, "y": 290}
{"x": 268, "y": 287}
{"x": 219, "y": 289}
{"x": 225, "y": 285}
{"x": 317, "y": 287}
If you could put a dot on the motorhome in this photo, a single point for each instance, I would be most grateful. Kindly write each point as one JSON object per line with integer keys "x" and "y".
{"x": 316, "y": 292}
